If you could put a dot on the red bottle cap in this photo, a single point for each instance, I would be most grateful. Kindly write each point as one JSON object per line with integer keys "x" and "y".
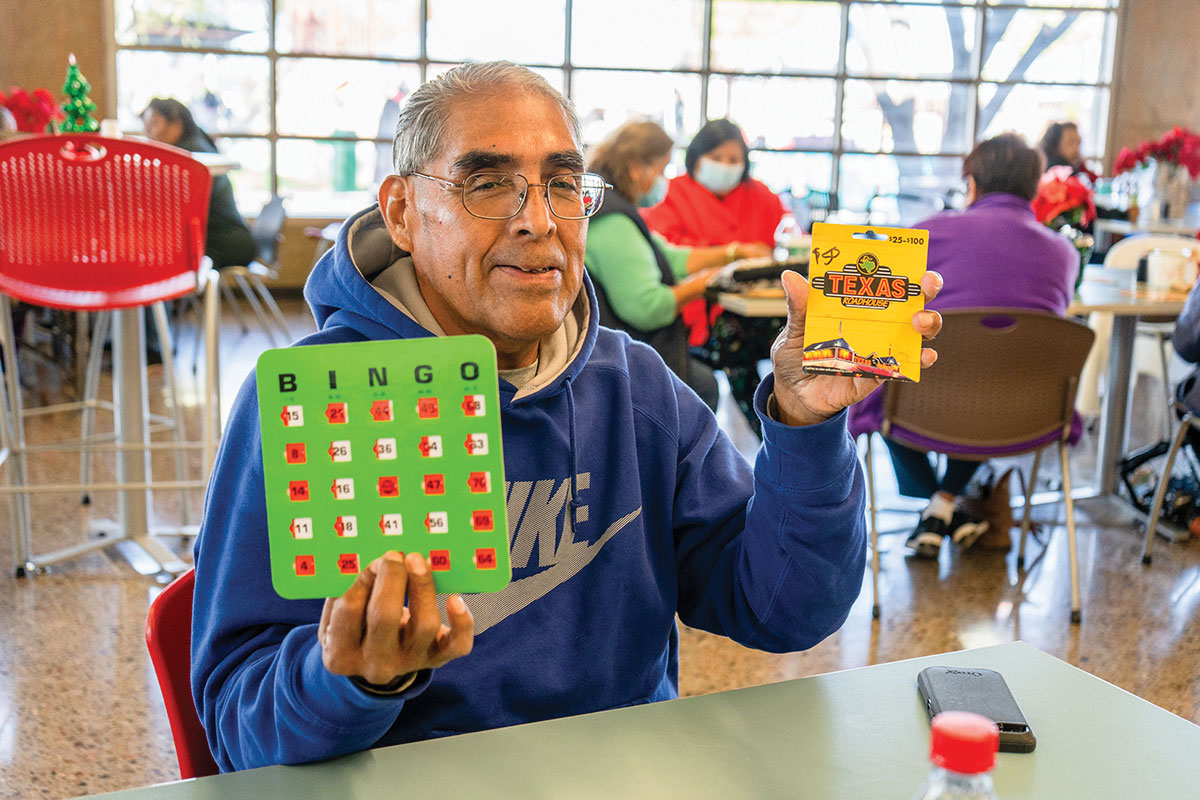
{"x": 964, "y": 742}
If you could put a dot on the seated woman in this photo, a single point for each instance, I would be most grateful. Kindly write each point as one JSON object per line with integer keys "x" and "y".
{"x": 228, "y": 242}
{"x": 1063, "y": 147}
{"x": 717, "y": 202}
{"x": 641, "y": 280}
{"x": 995, "y": 254}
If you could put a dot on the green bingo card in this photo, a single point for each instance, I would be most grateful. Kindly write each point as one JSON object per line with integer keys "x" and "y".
{"x": 376, "y": 446}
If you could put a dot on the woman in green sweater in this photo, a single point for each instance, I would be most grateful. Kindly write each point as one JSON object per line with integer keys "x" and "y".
{"x": 641, "y": 280}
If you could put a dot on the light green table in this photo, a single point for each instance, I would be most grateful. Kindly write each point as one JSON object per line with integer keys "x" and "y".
{"x": 858, "y": 734}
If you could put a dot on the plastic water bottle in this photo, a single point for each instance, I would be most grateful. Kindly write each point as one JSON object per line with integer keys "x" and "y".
{"x": 790, "y": 241}
{"x": 962, "y": 747}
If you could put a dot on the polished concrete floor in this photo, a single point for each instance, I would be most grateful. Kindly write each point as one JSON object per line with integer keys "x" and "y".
{"x": 80, "y": 711}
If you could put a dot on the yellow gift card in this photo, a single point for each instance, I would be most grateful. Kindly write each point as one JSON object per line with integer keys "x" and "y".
{"x": 866, "y": 285}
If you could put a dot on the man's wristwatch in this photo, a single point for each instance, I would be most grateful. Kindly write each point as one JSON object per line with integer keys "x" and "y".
{"x": 731, "y": 252}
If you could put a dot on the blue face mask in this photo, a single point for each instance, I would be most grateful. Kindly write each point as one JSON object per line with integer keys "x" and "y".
{"x": 656, "y": 194}
{"x": 718, "y": 178}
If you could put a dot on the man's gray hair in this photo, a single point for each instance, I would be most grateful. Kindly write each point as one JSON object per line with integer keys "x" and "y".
{"x": 422, "y": 123}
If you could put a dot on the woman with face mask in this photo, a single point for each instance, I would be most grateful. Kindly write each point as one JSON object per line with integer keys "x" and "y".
{"x": 642, "y": 281}
{"x": 717, "y": 202}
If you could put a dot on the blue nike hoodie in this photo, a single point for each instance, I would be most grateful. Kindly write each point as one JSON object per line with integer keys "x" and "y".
{"x": 626, "y": 506}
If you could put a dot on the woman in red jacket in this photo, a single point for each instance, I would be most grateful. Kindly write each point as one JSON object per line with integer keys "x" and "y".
{"x": 717, "y": 203}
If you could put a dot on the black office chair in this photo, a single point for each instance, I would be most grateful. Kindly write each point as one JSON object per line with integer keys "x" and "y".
{"x": 250, "y": 278}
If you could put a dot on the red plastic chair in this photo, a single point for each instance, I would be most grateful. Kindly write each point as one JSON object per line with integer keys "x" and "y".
{"x": 92, "y": 223}
{"x": 169, "y": 640}
{"x": 89, "y": 223}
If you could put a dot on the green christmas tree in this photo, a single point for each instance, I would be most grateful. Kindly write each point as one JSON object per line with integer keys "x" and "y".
{"x": 79, "y": 107}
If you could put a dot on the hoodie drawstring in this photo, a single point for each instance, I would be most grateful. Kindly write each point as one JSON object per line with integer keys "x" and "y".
{"x": 575, "y": 502}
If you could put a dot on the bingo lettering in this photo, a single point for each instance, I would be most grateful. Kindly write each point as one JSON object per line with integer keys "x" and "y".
{"x": 376, "y": 446}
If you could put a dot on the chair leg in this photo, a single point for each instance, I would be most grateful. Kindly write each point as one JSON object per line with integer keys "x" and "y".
{"x": 874, "y": 533}
{"x": 91, "y": 392}
{"x": 166, "y": 345}
{"x": 1076, "y": 609}
{"x": 1026, "y": 521}
{"x": 183, "y": 307}
{"x": 8, "y": 464}
{"x": 82, "y": 348}
{"x": 269, "y": 301}
{"x": 211, "y": 425}
{"x": 18, "y": 474}
{"x": 231, "y": 299}
{"x": 7, "y": 436}
{"x": 1164, "y": 350}
{"x": 1161, "y": 492}
{"x": 201, "y": 321}
{"x": 255, "y": 306}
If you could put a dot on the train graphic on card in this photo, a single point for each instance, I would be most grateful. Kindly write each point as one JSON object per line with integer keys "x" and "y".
{"x": 837, "y": 357}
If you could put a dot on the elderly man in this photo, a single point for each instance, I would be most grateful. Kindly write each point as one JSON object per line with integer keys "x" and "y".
{"x": 626, "y": 504}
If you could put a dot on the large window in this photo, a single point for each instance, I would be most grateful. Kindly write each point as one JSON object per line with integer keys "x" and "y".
{"x": 872, "y": 100}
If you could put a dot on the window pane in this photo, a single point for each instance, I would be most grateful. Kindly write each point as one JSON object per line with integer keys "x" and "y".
{"x": 1071, "y": 3}
{"x": 793, "y": 172}
{"x": 1058, "y": 46}
{"x": 331, "y": 97}
{"x": 251, "y": 180}
{"x": 777, "y": 113}
{"x": 527, "y": 32}
{"x": 912, "y": 186}
{"x": 907, "y": 116}
{"x": 212, "y": 25}
{"x": 226, "y": 93}
{"x": 326, "y": 178}
{"x": 667, "y": 34}
{"x": 910, "y": 41}
{"x": 606, "y": 99}
{"x": 364, "y": 28}
{"x": 752, "y": 36}
{"x": 1028, "y": 110}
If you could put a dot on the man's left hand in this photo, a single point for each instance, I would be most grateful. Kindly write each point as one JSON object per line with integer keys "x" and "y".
{"x": 806, "y": 399}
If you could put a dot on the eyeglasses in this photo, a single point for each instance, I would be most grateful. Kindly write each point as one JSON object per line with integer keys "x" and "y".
{"x": 501, "y": 195}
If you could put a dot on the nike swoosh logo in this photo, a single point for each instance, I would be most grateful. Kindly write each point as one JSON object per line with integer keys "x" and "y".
{"x": 491, "y": 609}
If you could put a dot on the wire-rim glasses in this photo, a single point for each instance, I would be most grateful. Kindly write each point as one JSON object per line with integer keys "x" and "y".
{"x": 501, "y": 195}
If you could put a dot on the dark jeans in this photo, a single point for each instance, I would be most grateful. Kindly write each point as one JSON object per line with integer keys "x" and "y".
{"x": 916, "y": 477}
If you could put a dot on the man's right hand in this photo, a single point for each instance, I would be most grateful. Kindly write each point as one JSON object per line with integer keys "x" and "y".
{"x": 371, "y": 634}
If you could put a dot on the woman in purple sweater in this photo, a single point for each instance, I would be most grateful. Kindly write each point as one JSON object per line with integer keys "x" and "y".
{"x": 992, "y": 254}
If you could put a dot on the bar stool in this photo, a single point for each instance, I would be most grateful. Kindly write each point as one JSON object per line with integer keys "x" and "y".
{"x": 102, "y": 225}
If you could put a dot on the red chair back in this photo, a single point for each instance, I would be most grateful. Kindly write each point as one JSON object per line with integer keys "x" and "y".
{"x": 169, "y": 639}
{"x": 95, "y": 223}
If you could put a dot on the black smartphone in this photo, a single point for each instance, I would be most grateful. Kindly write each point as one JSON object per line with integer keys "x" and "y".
{"x": 982, "y": 691}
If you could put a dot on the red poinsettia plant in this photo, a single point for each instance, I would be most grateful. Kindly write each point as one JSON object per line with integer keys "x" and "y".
{"x": 1179, "y": 146}
{"x": 33, "y": 112}
{"x": 1063, "y": 199}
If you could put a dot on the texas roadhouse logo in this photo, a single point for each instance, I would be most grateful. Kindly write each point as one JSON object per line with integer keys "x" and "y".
{"x": 866, "y": 284}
